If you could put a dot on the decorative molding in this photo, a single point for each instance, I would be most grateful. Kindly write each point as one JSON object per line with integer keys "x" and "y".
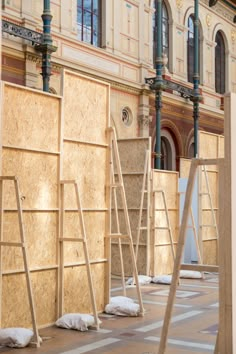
{"x": 144, "y": 120}
{"x": 22, "y": 32}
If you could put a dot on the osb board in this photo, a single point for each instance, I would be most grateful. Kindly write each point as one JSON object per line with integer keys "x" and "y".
{"x": 133, "y": 218}
{"x": 40, "y": 237}
{"x": 15, "y": 305}
{"x": 184, "y": 167}
{"x": 116, "y": 263}
{"x": 163, "y": 260}
{"x": 132, "y": 154}
{"x": 133, "y": 187}
{"x": 210, "y": 145}
{"x": 163, "y": 236}
{"x": 76, "y": 289}
{"x": 95, "y": 231}
{"x": 38, "y": 177}
{"x": 210, "y": 252}
{"x": 87, "y": 164}
{"x": 168, "y": 182}
{"x": 86, "y": 108}
{"x": 30, "y": 119}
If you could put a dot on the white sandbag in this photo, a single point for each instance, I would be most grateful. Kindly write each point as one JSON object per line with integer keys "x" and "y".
{"x": 78, "y": 321}
{"x": 15, "y": 337}
{"x": 142, "y": 279}
{"x": 190, "y": 274}
{"x": 162, "y": 279}
{"x": 122, "y": 306}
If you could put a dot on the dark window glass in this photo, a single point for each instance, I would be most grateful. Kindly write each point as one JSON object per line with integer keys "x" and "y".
{"x": 89, "y": 21}
{"x": 190, "y": 48}
{"x": 220, "y": 64}
{"x": 165, "y": 34}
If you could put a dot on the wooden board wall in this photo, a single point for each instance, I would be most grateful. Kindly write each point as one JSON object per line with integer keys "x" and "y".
{"x": 46, "y": 138}
{"x": 161, "y": 255}
{"x": 210, "y": 146}
{"x": 132, "y": 157}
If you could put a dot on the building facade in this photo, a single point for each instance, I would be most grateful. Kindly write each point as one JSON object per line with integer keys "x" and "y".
{"x": 115, "y": 41}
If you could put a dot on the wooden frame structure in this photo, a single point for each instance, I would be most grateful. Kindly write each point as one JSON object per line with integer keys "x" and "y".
{"x": 115, "y": 185}
{"x": 180, "y": 248}
{"x": 82, "y": 239}
{"x": 21, "y": 244}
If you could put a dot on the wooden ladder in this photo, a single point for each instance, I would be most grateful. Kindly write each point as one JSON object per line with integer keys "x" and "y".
{"x": 22, "y": 245}
{"x": 82, "y": 239}
{"x": 213, "y": 224}
{"x": 180, "y": 247}
{"x": 145, "y": 191}
{"x": 115, "y": 185}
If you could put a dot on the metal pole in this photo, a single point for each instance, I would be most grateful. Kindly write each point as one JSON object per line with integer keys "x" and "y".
{"x": 46, "y": 48}
{"x": 196, "y": 95}
{"x": 158, "y": 83}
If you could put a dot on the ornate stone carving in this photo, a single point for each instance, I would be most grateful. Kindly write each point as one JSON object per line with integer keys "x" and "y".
{"x": 144, "y": 120}
{"x": 179, "y": 4}
{"x": 208, "y": 20}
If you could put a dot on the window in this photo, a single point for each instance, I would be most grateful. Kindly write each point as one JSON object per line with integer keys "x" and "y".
{"x": 126, "y": 116}
{"x": 190, "y": 48}
{"x": 89, "y": 21}
{"x": 165, "y": 33}
{"x": 220, "y": 64}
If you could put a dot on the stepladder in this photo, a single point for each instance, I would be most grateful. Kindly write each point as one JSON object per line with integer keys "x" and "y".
{"x": 117, "y": 191}
{"x": 180, "y": 247}
{"x": 12, "y": 181}
{"x": 144, "y": 227}
{"x": 80, "y": 237}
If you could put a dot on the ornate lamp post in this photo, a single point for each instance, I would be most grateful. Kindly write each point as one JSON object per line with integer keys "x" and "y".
{"x": 196, "y": 98}
{"x": 46, "y": 47}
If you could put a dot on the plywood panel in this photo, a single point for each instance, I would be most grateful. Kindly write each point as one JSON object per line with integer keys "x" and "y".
{"x": 95, "y": 232}
{"x": 86, "y": 108}
{"x": 163, "y": 260}
{"x": 184, "y": 167}
{"x": 77, "y": 296}
{"x": 38, "y": 178}
{"x": 15, "y": 306}
{"x": 132, "y": 154}
{"x": 115, "y": 264}
{"x": 32, "y": 121}
{"x": 210, "y": 252}
{"x": 40, "y": 236}
{"x": 87, "y": 165}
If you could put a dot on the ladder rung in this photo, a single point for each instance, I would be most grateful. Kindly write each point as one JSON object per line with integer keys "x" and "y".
{"x": 161, "y": 228}
{"x": 200, "y": 267}
{"x": 71, "y": 239}
{"x": 15, "y": 244}
{"x": 143, "y": 228}
{"x": 208, "y": 225}
{"x": 68, "y": 181}
{"x": 116, "y": 185}
{"x": 204, "y": 193}
{"x": 118, "y": 236}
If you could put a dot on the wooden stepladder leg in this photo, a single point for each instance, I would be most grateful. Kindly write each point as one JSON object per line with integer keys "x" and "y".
{"x": 86, "y": 254}
{"x": 114, "y": 189}
{"x": 178, "y": 258}
{"x": 82, "y": 239}
{"x": 128, "y": 237}
{"x": 22, "y": 245}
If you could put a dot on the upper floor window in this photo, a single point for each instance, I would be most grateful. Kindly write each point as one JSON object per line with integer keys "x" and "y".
{"x": 190, "y": 48}
{"x": 220, "y": 64}
{"x": 165, "y": 33}
{"x": 89, "y": 21}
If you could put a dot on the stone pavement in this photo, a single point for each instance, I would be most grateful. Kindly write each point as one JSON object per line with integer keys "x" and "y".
{"x": 193, "y": 328}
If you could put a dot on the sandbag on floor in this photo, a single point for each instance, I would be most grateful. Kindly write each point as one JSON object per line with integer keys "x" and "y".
{"x": 122, "y": 306}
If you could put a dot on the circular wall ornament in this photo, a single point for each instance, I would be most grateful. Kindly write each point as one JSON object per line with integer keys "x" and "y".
{"x": 126, "y": 116}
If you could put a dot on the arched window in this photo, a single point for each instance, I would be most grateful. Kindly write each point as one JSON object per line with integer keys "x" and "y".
{"x": 220, "y": 64}
{"x": 190, "y": 48}
{"x": 89, "y": 21}
{"x": 165, "y": 33}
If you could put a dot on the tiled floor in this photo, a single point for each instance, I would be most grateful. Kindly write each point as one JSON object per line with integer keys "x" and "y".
{"x": 193, "y": 328}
